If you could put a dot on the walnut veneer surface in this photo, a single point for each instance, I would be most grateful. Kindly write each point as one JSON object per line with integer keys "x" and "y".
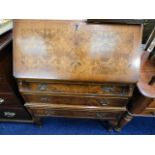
{"x": 75, "y": 50}
{"x": 76, "y": 69}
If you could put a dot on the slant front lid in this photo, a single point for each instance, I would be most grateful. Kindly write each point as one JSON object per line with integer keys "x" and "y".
{"x": 76, "y": 50}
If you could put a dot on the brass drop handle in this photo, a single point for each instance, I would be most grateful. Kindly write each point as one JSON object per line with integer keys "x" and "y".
{"x": 100, "y": 115}
{"x": 1, "y": 100}
{"x": 45, "y": 99}
{"x": 9, "y": 114}
{"x": 50, "y": 112}
{"x": 107, "y": 89}
{"x": 104, "y": 102}
{"x": 42, "y": 86}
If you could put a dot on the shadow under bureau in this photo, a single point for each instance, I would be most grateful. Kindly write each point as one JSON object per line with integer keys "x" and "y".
{"x": 72, "y": 68}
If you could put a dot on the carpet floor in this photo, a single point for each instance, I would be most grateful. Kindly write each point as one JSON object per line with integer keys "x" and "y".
{"x": 64, "y": 126}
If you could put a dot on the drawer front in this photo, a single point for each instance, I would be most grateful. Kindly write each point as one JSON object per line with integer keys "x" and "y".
{"x": 104, "y": 102}
{"x": 76, "y": 114}
{"x": 9, "y": 100}
{"x": 14, "y": 113}
{"x": 76, "y": 89}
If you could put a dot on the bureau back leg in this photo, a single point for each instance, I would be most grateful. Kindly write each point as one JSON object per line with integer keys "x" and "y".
{"x": 37, "y": 121}
{"x": 108, "y": 124}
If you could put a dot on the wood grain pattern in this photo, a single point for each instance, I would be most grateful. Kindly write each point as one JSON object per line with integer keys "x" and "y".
{"x": 72, "y": 68}
{"x": 74, "y": 107}
{"x": 148, "y": 112}
{"x": 73, "y": 88}
{"x": 142, "y": 103}
{"x": 147, "y": 72}
{"x": 75, "y": 50}
{"x": 76, "y": 100}
{"x": 76, "y": 114}
{"x": 152, "y": 104}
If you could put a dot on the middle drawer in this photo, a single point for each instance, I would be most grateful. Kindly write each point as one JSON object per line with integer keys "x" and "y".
{"x": 69, "y": 100}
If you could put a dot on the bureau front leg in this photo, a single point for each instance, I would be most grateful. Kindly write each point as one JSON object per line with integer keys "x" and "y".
{"x": 106, "y": 124}
{"x": 37, "y": 121}
{"x": 123, "y": 121}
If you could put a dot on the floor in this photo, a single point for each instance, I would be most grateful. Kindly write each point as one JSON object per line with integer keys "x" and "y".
{"x": 64, "y": 126}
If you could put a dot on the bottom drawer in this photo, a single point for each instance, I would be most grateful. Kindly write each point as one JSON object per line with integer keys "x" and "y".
{"x": 77, "y": 114}
{"x": 14, "y": 114}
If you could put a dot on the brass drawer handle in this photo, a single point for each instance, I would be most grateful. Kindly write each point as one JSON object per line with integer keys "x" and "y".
{"x": 9, "y": 114}
{"x": 1, "y": 100}
{"x": 45, "y": 99}
{"x": 49, "y": 113}
{"x": 100, "y": 115}
{"x": 104, "y": 102}
{"x": 43, "y": 86}
{"x": 107, "y": 89}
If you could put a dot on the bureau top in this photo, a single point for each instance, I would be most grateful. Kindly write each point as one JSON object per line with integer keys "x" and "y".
{"x": 76, "y": 50}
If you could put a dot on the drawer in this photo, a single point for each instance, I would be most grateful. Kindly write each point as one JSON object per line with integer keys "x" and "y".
{"x": 68, "y": 100}
{"x": 76, "y": 89}
{"x": 76, "y": 114}
{"x": 14, "y": 113}
{"x": 74, "y": 107}
{"x": 9, "y": 100}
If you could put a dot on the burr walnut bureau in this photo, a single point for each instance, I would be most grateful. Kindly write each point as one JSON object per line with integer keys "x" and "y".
{"x": 77, "y": 69}
{"x": 11, "y": 104}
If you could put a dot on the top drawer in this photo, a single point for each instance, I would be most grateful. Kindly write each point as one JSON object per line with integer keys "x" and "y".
{"x": 67, "y": 88}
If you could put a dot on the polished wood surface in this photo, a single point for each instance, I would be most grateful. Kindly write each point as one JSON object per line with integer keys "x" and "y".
{"x": 76, "y": 114}
{"x": 152, "y": 104}
{"x": 77, "y": 100}
{"x": 76, "y": 51}
{"x": 147, "y": 72}
{"x": 74, "y": 107}
{"x": 75, "y": 88}
{"x": 72, "y": 68}
{"x": 138, "y": 102}
{"x": 142, "y": 102}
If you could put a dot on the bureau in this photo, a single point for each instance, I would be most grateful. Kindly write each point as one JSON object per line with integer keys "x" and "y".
{"x": 11, "y": 103}
{"x": 76, "y": 68}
